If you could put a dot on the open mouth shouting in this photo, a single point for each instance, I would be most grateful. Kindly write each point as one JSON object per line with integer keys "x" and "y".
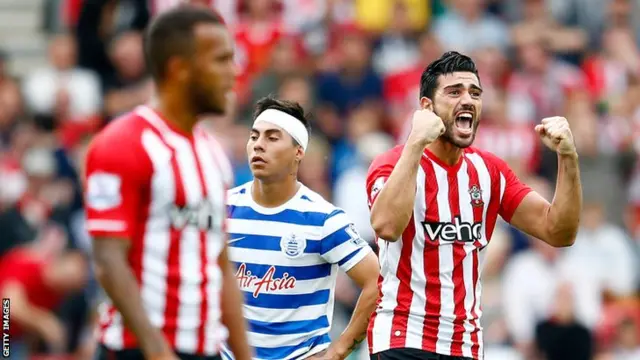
{"x": 464, "y": 122}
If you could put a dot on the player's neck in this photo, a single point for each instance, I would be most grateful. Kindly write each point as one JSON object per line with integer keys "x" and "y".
{"x": 274, "y": 194}
{"x": 445, "y": 151}
{"x": 177, "y": 112}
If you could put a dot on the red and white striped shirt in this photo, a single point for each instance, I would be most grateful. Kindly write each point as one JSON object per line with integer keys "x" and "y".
{"x": 429, "y": 288}
{"x": 163, "y": 190}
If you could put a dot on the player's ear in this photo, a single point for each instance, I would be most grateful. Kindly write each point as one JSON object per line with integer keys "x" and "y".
{"x": 178, "y": 66}
{"x": 299, "y": 153}
{"x": 426, "y": 103}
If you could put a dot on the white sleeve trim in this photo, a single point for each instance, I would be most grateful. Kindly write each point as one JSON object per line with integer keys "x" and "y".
{"x": 362, "y": 253}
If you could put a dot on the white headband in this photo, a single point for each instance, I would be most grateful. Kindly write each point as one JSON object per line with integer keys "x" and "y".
{"x": 288, "y": 123}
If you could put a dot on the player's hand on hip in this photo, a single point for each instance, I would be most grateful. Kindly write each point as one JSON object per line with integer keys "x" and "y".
{"x": 426, "y": 127}
{"x": 556, "y": 135}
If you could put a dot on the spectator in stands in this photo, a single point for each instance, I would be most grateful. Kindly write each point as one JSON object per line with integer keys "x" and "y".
{"x": 531, "y": 282}
{"x": 300, "y": 16}
{"x": 129, "y": 86}
{"x": 605, "y": 247}
{"x": 561, "y": 337}
{"x": 466, "y": 26}
{"x": 366, "y": 118}
{"x": 284, "y": 62}
{"x": 608, "y": 72}
{"x": 377, "y": 15}
{"x": 347, "y": 192}
{"x": 10, "y": 104}
{"x": 68, "y": 95}
{"x": 602, "y": 164}
{"x": 258, "y": 31}
{"x": 82, "y": 86}
{"x": 538, "y": 19}
{"x": 402, "y": 87}
{"x": 539, "y": 88}
{"x": 37, "y": 285}
{"x": 496, "y": 334}
{"x": 352, "y": 84}
{"x": 313, "y": 171}
{"x": 628, "y": 340}
{"x": 396, "y": 49}
{"x": 297, "y": 88}
{"x": 41, "y": 210}
{"x": 512, "y": 141}
{"x": 99, "y": 22}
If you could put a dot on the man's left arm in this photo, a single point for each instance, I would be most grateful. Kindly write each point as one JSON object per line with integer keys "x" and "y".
{"x": 555, "y": 223}
{"x": 365, "y": 275}
{"x": 232, "y": 312}
{"x": 344, "y": 246}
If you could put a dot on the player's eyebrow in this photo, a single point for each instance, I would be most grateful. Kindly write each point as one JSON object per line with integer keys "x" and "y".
{"x": 268, "y": 131}
{"x": 476, "y": 87}
{"x": 461, "y": 86}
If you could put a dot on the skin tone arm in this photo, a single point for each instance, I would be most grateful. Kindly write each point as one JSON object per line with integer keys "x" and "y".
{"x": 556, "y": 223}
{"x": 34, "y": 319}
{"x": 365, "y": 275}
{"x": 117, "y": 279}
{"x": 232, "y": 316}
{"x": 393, "y": 207}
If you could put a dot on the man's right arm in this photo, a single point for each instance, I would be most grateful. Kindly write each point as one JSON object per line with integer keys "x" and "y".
{"x": 117, "y": 279}
{"x": 114, "y": 187}
{"x": 392, "y": 208}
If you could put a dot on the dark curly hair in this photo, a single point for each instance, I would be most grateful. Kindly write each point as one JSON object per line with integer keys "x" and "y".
{"x": 448, "y": 63}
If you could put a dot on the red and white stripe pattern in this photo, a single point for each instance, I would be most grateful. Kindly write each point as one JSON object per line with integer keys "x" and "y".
{"x": 177, "y": 268}
{"x": 430, "y": 288}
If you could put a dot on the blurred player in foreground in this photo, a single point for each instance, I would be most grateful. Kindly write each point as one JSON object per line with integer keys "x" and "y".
{"x": 287, "y": 243}
{"x": 434, "y": 204}
{"x": 155, "y": 190}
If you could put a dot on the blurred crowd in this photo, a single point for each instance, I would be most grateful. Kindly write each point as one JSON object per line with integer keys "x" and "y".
{"x": 355, "y": 66}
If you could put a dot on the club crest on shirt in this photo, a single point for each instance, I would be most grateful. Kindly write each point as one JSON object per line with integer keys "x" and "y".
{"x": 356, "y": 239}
{"x": 293, "y": 245}
{"x": 104, "y": 191}
{"x": 476, "y": 196}
{"x": 377, "y": 186}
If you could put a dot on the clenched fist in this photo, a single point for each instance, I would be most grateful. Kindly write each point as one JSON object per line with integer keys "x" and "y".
{"x": 556, "y": 134}
{"x": 426, "y": 127}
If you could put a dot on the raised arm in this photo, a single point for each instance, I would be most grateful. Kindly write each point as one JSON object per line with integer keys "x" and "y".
{"x": 392, "y": 195}
{"x": 555, "y": 223}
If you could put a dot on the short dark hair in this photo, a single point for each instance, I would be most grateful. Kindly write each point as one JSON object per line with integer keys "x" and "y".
{"x": 448, "y": 63}
{"x": 171, "y": 34}
{"x": 290, "y": 107}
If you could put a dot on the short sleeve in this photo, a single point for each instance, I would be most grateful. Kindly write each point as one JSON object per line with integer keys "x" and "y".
{"x": 342, "y": 244}
{"x": 512, "y": 191}
{"x": 379, "y": 172}
{"x": 114, "y": 187}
